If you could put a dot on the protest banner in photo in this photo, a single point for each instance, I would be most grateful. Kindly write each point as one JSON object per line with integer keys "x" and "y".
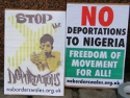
{"x": 34, "y": 52}
{"x": 96, "y": 39}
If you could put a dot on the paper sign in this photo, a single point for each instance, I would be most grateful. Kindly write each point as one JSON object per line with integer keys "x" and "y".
{"x": 96, "y": 44}
{"x": 34, "y": 52}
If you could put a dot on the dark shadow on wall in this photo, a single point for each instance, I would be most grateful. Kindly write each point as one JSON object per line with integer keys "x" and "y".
{"x": 127, "y": 61}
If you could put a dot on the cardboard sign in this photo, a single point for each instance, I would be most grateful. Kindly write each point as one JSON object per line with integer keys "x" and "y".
{"x": 34, "y": 52}
{"x": 96, "y": 44}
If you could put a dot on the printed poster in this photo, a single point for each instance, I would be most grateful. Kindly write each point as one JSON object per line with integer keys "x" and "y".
{"x": 96, "y": 39}
{"x": 34, "y": 52}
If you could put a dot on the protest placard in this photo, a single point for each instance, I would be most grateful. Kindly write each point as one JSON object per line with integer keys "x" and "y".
{"x": 34, "y": 52}
{"x": 96, "y": 39}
